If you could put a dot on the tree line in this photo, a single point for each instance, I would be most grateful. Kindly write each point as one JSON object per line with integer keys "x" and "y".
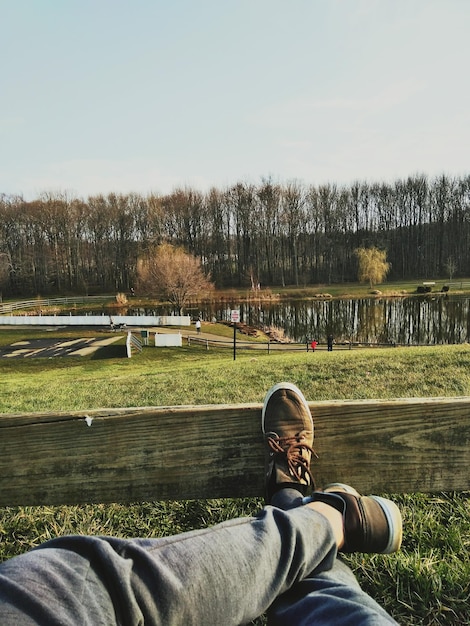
{"x": 246, "y": 234}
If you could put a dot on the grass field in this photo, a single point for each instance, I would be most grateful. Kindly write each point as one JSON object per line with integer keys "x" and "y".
{"x": 428, "y": 582}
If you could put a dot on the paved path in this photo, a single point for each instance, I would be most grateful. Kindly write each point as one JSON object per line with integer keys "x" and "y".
{"x": 48, "y": 348}
{"x": 53, "y": 347}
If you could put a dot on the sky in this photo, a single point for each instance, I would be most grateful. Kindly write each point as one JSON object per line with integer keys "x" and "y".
{"x": 145, "y": 96}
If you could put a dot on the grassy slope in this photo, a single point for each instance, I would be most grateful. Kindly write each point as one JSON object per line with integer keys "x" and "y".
{"x": 427, "y": 583}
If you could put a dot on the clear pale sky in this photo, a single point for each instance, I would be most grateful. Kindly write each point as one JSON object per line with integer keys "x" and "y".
{"x": 103, "y": 96}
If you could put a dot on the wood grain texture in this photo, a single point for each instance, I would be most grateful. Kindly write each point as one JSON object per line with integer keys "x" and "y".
{"x": 151, "y": 453}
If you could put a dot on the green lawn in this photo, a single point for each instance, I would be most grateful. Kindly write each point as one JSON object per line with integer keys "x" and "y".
{"x": 428, "y": 582}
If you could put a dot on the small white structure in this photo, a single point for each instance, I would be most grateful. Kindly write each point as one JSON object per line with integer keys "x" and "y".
{"x": 165, "y": 340}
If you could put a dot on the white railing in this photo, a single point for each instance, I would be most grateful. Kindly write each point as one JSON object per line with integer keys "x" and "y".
{"x": 132, "y": 343}
{"x": 110, "y": 321}
{"x": 9, "y": 307}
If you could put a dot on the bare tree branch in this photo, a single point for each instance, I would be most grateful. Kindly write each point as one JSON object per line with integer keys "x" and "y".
{"x": 174, "y": 274}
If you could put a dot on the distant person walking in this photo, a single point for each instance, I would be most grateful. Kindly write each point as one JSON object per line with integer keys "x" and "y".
{"x": 198, "y": 325}
{"x": 330, "y": 342}
{"x": 314, "y": 345}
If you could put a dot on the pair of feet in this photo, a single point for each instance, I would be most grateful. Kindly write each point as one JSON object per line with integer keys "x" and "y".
{"x": 370, "y": 523}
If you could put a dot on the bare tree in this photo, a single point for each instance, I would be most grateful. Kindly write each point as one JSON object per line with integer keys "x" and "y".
{"x": 293, "y": 219}
{"x": 5, "y": 270}
{"x": 174, "y": 274}
{"x": 451, "y": 267}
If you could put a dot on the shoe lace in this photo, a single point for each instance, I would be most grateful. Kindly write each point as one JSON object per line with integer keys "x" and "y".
{"x": 290, "y": 448}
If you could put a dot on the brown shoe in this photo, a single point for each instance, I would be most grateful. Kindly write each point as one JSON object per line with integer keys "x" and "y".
{"x": 287, "y": 426}
{"x": 371, "y": 523}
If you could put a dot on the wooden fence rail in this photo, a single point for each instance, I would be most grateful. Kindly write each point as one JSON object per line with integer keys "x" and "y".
{"x": 150, "y": 453}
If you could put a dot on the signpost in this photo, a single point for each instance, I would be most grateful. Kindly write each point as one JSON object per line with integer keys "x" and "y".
{"x": 235, "y": 318}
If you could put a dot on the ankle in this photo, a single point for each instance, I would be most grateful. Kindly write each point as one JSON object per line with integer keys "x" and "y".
{"x": 334, "y": 517}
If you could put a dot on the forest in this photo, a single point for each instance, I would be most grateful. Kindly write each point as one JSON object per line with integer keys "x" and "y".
{"x": 266, "y": 234}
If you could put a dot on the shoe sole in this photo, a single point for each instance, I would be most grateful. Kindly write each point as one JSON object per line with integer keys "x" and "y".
{"x": 390, "y": 510}
{"x": 395, "y": 524}
{"x": 273, "y": 390}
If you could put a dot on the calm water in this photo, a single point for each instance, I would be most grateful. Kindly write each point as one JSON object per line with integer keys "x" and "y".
{"x": 410, "y": 321}
{"x": 413, "y": 320}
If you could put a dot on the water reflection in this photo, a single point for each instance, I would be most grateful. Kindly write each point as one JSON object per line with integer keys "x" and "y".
{"x": 414, "y": 320}
{"x": 410, "y": 321}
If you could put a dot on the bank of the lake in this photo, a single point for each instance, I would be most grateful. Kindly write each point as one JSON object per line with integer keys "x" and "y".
{"x": 348, "y": 290}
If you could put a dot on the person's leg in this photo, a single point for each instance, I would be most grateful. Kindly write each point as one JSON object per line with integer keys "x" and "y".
{"x": 324, "y": 597}
{"x": 370, "y": 524}
{"x": 331, "y": 597}
{"x": 228, "y": 574}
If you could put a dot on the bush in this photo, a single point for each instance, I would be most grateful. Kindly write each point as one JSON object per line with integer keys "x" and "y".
{"x": 121, "y": 298}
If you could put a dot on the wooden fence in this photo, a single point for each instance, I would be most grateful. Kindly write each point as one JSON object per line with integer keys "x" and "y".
{"x": 151, "y": 453}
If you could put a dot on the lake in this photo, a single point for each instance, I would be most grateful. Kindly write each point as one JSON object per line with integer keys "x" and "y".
{"x": 413, "y": 320}
{"x": 440, "y": 319}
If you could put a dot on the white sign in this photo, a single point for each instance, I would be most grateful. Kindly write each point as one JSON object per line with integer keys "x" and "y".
{"x": 235, "y": 316}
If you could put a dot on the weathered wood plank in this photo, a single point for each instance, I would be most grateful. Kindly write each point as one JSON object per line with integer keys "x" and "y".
{"x": 149, "y": 453}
